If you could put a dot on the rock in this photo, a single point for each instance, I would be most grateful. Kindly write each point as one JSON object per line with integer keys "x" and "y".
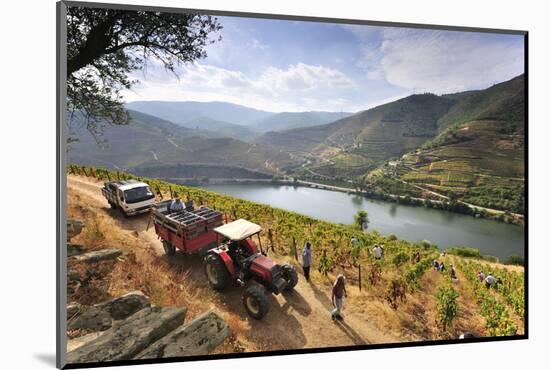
{"x": 101, "y": 316}
{"x": 126, "y": 305}
{"x": 73, "y": 309}
{"x": 75, "y": 343}
{"x": 74, "y": 227}
{"x": 73, "y": 281}
{"x": 74, "y": 249}
{"x": 96, "y": 256}
{"x": 130, "y": 336}
{"x": 73, "y": 276}
{"x": 94, "y": 319}
{"x": 199, "y": 337}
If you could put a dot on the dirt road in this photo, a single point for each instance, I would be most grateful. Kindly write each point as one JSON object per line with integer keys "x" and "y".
{"x": 299, "y": 319}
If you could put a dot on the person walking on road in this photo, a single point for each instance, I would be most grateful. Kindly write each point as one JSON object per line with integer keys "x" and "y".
{"x": 306, "y": 259}
{"x": 338, "y": 294}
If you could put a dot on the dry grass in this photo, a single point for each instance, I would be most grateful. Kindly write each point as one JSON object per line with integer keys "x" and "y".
{"x": 139, "y": 269}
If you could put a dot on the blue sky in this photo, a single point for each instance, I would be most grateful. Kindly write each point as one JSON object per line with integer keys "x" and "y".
{"x": 281, "y": 65}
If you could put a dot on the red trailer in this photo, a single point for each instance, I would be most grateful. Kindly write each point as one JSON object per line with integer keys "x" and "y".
{"x": 190, "y": 230}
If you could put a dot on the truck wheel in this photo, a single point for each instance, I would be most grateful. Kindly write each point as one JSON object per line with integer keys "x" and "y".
{"x": 255, "y": 302}
{"x": 216, "y": 272}
{"x": 169, "y": 249}
{"x": 290, "y": 275}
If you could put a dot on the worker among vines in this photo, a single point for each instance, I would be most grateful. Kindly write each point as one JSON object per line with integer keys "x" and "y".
{"x": 490, "y": 280}
{"x": 306, "y": 259}
{"x": 453, "y": 273}
{"x": 338, "y": 294}
{"x": 378, "y": 251}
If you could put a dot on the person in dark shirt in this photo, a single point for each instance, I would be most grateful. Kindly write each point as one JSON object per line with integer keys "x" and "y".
{"x": 338, "y": 294}
{"x": 306, "y": 259}
{"x": 453, "y": 273}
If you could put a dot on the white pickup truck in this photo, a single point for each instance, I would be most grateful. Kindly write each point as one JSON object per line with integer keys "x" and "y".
{"x": 131, "y": 197}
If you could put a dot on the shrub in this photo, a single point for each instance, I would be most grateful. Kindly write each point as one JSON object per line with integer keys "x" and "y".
{"x": 464, "y": 252}
{"x": 515, "y": 260}
{"x": 400, "y": 258}
{"x": 447, "y": 307}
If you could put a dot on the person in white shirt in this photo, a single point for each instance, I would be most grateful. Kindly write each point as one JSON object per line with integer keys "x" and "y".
{"x": 490, "y": 280}
{"x": 176, "y": 205}
{"x": 377, "y": 251}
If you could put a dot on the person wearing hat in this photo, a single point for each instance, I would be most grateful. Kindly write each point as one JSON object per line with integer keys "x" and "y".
{"x": 338, "y": 294}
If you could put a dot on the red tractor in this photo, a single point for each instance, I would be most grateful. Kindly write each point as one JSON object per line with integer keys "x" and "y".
{"x": 237, "y": 258}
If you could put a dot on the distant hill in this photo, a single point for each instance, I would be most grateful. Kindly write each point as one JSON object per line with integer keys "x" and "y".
{"x": 181, "y": 112}
{"x": 220, "y": 128}
{"x": 290, "y": 120}
{"x": 364, "y": 138}
{"x": 232, "y": 120}
{"x": 478, "y": 154}
{"x": 152, "y": 142}
{"x": 467, "y": 145}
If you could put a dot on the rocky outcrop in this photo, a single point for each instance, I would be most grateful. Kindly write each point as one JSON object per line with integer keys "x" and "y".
{"x": 73, "y": 309}
{"x": 74, "y": 249}
{"x": 199, "y": 337}
{"x": 126, "y": 305}
{"x": 75, "y": 343}
{"x": 130, "y": 336}
{"x": 93, "y": 319}
{"x": 97, "y": 256}
{"x": 128, "y": 328}
{"x": 101, "y": 316}
{"x": 74, "y": 227}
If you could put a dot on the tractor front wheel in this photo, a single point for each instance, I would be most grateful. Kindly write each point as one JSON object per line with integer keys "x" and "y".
{"x": 290, "y": 275}
{"x": 216, "y": 272}
{"x": 169, "y": 249}
{"x": 255, "y": 302}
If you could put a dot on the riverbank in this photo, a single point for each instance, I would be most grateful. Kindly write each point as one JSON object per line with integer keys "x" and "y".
{"x": 444, "y": 204}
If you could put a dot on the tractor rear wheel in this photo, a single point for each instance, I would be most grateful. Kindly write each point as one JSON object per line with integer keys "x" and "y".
{"x": 169, "y": 249}
{"x": 255, "y": 302}
{"x": 290, "y": 275}
{"x": 216, "y": 272}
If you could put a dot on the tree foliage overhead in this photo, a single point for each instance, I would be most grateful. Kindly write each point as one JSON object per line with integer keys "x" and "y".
{"x": 105, "y": 45}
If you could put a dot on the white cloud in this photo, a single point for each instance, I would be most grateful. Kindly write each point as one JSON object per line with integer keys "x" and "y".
{"x": 257, "y": 44}
{"x": 303, "y": 77}
{"x": 446, "y": 61}
{"x": 297, "y": 88}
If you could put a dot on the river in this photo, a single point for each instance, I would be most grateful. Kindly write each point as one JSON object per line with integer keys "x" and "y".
{"x": 410, "y": 223}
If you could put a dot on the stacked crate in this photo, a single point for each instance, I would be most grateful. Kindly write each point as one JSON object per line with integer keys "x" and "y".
{"x": 191, "y": 223}
{"x": 212, "y": 218}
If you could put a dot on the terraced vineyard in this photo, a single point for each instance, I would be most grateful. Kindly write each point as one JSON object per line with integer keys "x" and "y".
{"x": 396, "y": 281}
